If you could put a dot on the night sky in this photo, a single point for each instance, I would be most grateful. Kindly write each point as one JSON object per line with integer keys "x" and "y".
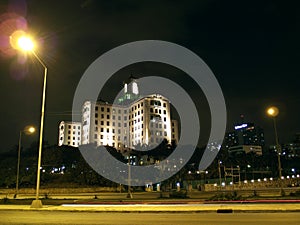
{"x": 252, "y": 47}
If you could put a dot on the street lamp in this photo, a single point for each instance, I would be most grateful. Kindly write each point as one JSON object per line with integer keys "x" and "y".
{"x": 23, "y": 42}
{"x": 27, "y": 130}
{"x": 273, "y": 112}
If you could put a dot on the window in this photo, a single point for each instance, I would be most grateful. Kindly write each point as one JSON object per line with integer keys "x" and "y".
{"x": 165, "y": 105}
{"x": 102, "y": 109}
{"x": 69, "y": 126}
{"x": 108, "y": 110}
{"x": 96, "y": 108}
{"x": 101, "y": 136}
{"x": 107, "y": 116}
{"x": 119, "y": 117}
{"x": 102, "y": 130}
{"x": 102, "y": 122}
{"x": 96, "y": 122}
{"x": 107, "y": 130}
{"x": 165, "y": 112}
{"x": 95, "y": 136}
{"x": 96, "y": 115}
{"x": 102, "y": 116}
{"x": 107, "y": 123}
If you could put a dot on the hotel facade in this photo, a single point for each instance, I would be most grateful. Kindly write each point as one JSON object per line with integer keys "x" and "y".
{"x": 133, "y": 122}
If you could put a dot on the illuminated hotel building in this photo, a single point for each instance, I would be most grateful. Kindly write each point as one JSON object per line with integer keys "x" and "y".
{"x": 133, "y": 121}
{"x": 145, "y": 122}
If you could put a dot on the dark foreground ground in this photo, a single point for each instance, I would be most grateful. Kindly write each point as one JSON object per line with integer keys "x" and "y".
{"x": 57, "y": 217}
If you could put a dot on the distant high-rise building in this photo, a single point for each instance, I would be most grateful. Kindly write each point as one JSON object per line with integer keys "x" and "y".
{"x": 245, "y": 134}
{"x": 69, "y": 133}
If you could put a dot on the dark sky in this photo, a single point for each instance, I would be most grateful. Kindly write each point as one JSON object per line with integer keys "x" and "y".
{"x": 251, "y": 46}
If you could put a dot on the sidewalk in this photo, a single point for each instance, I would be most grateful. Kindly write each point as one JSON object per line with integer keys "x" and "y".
{"x": 171, "y": 208}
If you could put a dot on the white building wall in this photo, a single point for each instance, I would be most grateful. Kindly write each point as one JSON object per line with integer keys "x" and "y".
{"x": 69, "y": 133}
{"x": 145, "y": 122}
{"x": 175, "y": 131}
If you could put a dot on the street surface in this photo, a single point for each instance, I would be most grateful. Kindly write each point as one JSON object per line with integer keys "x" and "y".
{"x": 88, "y": 218}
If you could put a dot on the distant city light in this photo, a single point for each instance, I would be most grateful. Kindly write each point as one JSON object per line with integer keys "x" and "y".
{"x": 240, "y": 126}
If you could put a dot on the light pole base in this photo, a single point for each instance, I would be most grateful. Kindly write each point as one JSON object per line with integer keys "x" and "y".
{"x": 36, "y": 204}
{"x": 129, "y": 195}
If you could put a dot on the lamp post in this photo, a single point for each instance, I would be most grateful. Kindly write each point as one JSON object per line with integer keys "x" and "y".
{"x": 273, "y": 112}
{"x": 27, "y": 130}
{"x": 129, "y": 194}
{"x": 24, "y": 43}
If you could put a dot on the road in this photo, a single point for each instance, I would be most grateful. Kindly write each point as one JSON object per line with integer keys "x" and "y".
{"x": 88, "y": 218}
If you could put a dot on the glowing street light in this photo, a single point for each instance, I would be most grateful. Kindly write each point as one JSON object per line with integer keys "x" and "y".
{"x": 19, "y": 40}
{"x": 25, "y": 43}
{"x": 27, "y": 130}
{"x": 273, "y": 112}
